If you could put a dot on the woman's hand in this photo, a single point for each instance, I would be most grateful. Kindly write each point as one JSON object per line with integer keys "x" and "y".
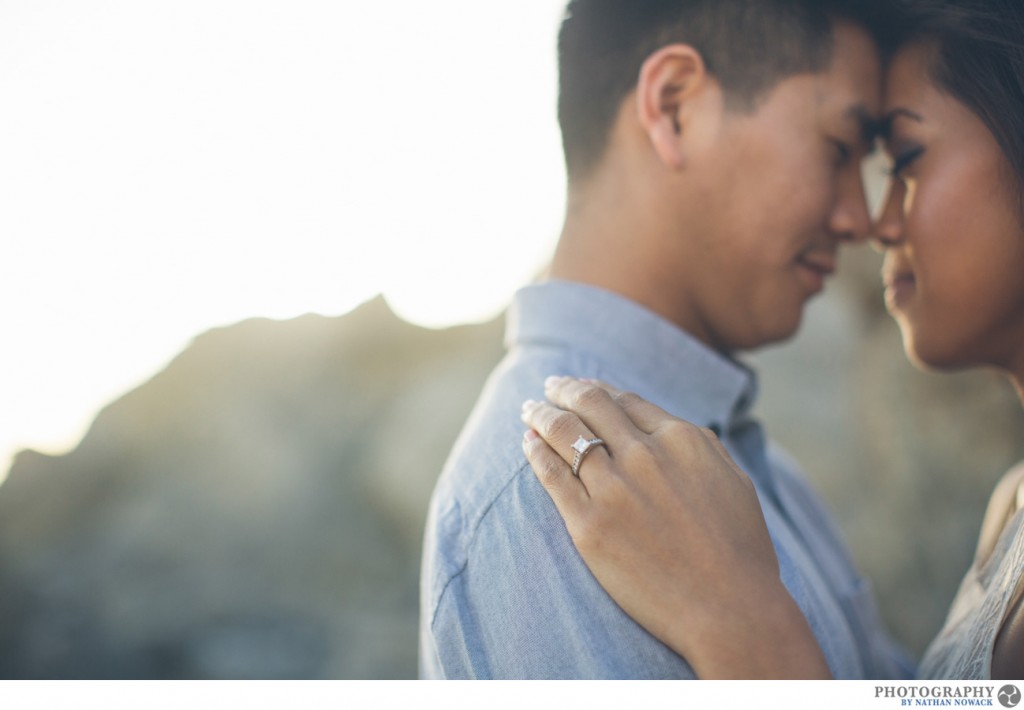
{"x": 672, "y": 528}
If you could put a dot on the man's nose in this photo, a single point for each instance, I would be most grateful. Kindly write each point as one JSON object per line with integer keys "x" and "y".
{"x": 851, "y": 218}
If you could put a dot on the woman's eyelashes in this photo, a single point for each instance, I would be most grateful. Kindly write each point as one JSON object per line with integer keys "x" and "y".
{"x": 904, "y": 159}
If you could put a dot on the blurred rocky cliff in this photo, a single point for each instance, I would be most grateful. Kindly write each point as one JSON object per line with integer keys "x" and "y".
{"x": 255, "y": 510}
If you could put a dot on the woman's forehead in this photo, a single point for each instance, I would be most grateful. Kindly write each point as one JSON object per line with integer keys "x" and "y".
{"x": 907, "y": 77}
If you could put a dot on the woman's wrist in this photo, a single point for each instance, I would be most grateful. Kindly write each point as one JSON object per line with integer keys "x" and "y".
{"x": 765, "y": 637}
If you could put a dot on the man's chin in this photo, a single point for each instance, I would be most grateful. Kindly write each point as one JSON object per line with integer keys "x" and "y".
{"x": 773, "y": 334}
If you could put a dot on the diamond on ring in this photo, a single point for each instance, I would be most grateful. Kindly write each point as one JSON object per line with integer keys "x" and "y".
{"x": 583, "y": 446}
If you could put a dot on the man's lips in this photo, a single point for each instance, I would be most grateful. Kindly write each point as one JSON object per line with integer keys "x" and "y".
{"x": 815, "y": 267}
{"x": 824, "y": 264}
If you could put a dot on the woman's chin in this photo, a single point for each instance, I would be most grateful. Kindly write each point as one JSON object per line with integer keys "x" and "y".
{"x": 933, "y": 357}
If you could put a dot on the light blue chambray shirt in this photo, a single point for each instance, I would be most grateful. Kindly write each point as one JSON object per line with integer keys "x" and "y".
{"x": 504, "y": 594}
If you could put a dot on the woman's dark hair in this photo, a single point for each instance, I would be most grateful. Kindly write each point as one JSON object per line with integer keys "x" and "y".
{"x": 979, "y": 60}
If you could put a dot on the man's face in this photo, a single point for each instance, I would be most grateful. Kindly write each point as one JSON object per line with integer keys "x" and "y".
{"x": 781, "y": 188}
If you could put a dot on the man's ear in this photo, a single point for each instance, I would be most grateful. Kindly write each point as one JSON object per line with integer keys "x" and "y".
{"x": 671, "y": 82}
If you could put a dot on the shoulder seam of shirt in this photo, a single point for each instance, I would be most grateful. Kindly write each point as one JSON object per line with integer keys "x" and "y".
{"x": 472, "y": 540}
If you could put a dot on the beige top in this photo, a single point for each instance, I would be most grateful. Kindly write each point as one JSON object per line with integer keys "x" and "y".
{"x": 963, "y": 649}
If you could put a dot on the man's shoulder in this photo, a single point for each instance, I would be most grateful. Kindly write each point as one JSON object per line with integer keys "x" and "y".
{"x": 505, "y": 594}
{"x": 488, "y": 453}
{"x": 487, "y": 465}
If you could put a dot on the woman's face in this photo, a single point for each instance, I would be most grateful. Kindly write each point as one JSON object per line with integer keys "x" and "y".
{"x": 954, "y": 260}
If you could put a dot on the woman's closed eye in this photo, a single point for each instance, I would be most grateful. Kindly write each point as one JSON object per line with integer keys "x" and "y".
{"x": 904, "y": 160}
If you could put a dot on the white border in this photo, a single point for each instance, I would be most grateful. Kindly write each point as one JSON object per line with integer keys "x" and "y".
{"x": 490, "y": 695}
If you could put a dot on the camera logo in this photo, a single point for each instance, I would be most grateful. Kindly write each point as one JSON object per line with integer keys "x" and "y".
{"x": 1009, "y": 696}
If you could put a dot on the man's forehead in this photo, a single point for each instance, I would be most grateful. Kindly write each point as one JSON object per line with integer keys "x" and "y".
{"x": 853, "y": 95}
{"x": 854, "y": 77}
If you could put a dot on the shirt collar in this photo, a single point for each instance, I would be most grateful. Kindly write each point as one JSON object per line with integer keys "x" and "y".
{"x": 637, "y": 349}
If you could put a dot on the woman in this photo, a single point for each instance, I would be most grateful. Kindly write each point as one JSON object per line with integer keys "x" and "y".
{"x": 667, "y": 522}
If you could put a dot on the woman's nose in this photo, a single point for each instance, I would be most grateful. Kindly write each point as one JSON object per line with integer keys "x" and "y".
{"x": 888, "y": 228}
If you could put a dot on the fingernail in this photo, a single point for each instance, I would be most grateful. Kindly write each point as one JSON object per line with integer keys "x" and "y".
{"x": 554, "y": 381}
{"x": 529, "y": 436}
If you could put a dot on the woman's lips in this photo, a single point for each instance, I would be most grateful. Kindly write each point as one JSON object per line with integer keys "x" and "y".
{"x": 899, "y": 288}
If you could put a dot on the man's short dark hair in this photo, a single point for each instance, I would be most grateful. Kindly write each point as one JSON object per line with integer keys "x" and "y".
{"x": 748, "y": 45}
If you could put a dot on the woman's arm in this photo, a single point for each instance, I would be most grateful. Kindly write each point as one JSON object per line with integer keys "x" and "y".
{"x": 1008, "y": 654}
{"x": 1006, "y": 500}
{"x": 672, "y": 529}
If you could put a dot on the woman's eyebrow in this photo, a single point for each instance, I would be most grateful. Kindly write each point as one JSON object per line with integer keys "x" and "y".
{"x": 905, "y": 113}
{"x": 884, "y": 128}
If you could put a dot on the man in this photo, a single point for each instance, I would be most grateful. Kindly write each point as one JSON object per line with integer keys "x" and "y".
{"x": 713, "y": 150}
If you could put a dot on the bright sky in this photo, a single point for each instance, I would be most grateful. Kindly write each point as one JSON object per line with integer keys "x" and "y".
{"x": 168, "y": 167}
